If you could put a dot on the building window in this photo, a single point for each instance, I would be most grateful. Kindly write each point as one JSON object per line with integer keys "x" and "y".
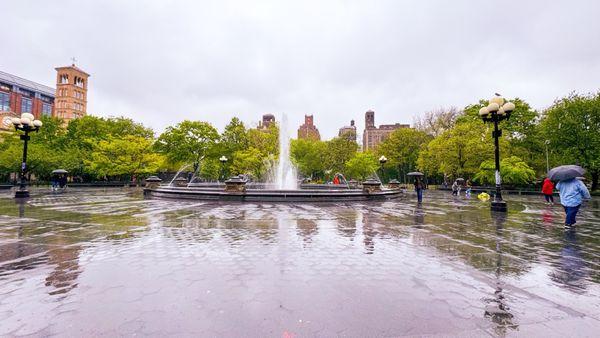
{"x": 64, "y": 79}
{"x": 4, "y": 101}
{"x": 46, "y": 109}
{"x": 25, "y": 105}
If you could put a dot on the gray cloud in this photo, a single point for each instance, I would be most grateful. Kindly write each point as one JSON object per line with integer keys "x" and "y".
{"x": 160, "y": 62}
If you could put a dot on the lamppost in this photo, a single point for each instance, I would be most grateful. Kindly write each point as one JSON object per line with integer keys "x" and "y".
{"x": 547, "y": 142}
{"x": 382, "y": 161}
{"x": 27, "y": 123}
{"x": 223, "y": 160}
{"x": 496, "y": 111}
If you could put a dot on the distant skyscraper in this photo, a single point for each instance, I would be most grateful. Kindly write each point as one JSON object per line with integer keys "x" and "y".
{"x": 348, "y": 132}
{"x": 71, "y": 93}
{"x": 308, "y": 129}
{"x": 373, "y": 136}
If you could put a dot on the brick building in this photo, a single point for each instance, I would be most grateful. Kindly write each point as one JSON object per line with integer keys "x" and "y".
{"x": 67, "y": 101}
{"x": 348, "y": 132}
{"x": 71, "y": 93}
{"x": 373, "y": 135}
{"x": 18, "y": 95}
{"x": 267, "y": 120}
{"x": 308, "y": 129}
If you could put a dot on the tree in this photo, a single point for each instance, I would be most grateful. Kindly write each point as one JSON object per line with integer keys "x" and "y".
{"x": 309, "y": 156}
{"x": 520, "y": 124}
{"x": 211, "y": 169}
{"x": 572, "y": 127}
{"x": 265, "y": 140}
{"x": 250, "y": 162}
{"x": 82, "y": 135}
{"x": 437, "y": 121}
{"x": 339, "y": 150}
{"x": 234, "y": 137}
{"x": 45, "y": 150}
{"x": 130, "y": 155}
{"x": 402, "y": 148}
{"x": 458, "y": 151}
{"x": 520, "y": 130}
{"x": 513, "y": 170}
{"x": 187, "y": 142}
{"x": 361, "y": 165}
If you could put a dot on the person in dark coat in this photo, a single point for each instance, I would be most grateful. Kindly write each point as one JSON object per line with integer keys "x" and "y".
{"x": 419, "y": 188}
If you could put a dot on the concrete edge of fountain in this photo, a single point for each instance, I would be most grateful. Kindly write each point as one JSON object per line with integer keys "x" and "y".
{"x": 268, "y": 195}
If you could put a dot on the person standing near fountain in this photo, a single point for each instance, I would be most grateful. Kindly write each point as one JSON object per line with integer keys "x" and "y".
{"x": 419, "y": 188}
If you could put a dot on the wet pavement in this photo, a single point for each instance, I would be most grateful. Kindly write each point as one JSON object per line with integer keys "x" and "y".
{"x": 108, "y": 262}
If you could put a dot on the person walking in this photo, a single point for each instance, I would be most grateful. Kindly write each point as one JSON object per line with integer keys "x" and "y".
{"x": 572, "y": 193}
{"x": 455, "y": 188}
{"x": 469, "y": 186}
{"x": 547, "y": 190}
{"x": 419, "y": 188}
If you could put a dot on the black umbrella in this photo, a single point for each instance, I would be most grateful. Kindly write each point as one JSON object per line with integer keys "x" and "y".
{"x": 415, "y": 173}
{"x": 60, "y": 171}
{"x": 565, "y": 172}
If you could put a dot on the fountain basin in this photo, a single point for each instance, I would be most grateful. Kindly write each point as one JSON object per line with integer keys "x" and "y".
{"x": 271, "y": 195}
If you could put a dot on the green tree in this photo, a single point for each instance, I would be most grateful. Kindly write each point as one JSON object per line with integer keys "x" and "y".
{"x": 188, "y": 141}
{"x": 513, "y": 170}
{"x": 249, "y": 162}
{"x": 402, "y": 148}
{"x": 338, "y": 151}
{"x": 309, "y": 156}
{"x": 522, "y": 120}
{"x": 127, "y": 156}
{"x": 458, "y": 151}
{"x": 361, "y": 165}
{"x": 82, "y": 135}
{"x": 45, "y": 152}
{"x": 211, "y": 169}
{"x": 572, "y": 127}
{"x": 520, "y": 130}
{"x": 265, "y": 140}
{"x": 234, "y": 137}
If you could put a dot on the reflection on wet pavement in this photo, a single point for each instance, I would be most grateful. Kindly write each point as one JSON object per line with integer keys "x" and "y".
{"x": 92, "y": 262}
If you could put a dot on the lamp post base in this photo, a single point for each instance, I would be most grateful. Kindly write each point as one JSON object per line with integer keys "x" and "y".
{"x": 21, "y": 194}
{"x": 499, "y": 206}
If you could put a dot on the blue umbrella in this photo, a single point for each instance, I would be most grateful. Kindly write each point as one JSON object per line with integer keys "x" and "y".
{"x": 565, "y": 172}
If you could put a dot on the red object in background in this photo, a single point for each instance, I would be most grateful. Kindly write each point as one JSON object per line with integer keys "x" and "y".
{"x": 336, "y": 180}
{"x": 547, "y": 187}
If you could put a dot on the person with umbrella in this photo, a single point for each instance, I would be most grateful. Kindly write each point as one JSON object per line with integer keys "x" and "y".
{"x": 419, "y": 185}
{"x": 572, "y": 191}
{"x": 457, "y": 185}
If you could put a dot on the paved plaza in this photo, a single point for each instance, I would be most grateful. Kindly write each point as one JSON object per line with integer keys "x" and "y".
{"x": 109, "y": 262}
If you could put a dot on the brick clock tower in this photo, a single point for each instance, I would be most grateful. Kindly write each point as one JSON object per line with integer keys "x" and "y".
{"x": 71, "y": 93}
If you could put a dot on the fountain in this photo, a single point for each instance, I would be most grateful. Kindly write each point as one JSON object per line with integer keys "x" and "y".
{"x": 283, "y": 187}
{"x": 286, "y": 178}
{"x": 183, "y": 167}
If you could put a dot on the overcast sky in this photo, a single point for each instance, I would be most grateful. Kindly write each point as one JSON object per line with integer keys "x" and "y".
{"x": 160, "y": 62}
